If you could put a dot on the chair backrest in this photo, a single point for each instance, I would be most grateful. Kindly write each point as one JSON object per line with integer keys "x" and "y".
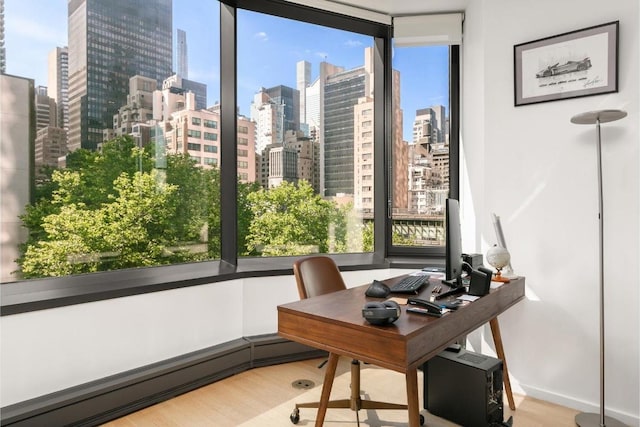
{"x": 317, "y": 275}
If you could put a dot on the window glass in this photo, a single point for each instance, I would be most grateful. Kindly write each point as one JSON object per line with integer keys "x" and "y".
{"x": 421, "y": 145}
{"x": 307, "y": 89}
{"x": 125, "y": 136}
{"x": 115, "y": 184}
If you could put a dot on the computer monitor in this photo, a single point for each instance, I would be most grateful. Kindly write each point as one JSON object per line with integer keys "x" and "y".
{"x": 453, "y": 241}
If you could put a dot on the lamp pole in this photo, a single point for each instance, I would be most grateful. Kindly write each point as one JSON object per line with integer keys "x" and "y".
{"x": 589, "y": 118}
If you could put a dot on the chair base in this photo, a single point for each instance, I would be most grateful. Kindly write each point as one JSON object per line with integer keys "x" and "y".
{"x": 355, "y": 402}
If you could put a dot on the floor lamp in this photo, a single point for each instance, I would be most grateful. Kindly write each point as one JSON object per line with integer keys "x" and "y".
{"x": 590, "y": 118}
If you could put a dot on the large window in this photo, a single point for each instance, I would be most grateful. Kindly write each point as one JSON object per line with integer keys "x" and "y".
{"x": 114, "y": 183}
{"x": 421, "y": 145}
{"x": 305, "y": 87}
{"x": 283, "y": 152}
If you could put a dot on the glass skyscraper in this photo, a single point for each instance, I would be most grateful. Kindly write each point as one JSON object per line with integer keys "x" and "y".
{"x": 341, "y": 94}
{"x": 182, "y": 54}
{"x": 109, "y": 42}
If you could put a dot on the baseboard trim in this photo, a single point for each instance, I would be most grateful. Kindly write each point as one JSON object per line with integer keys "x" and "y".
{"x": 100, "y": 401}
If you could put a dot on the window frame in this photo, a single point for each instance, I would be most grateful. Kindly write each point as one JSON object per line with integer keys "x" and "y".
{"x": 39, "y": 294}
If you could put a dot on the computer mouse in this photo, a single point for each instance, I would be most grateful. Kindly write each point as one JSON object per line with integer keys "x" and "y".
{"x": 377, "y": 289}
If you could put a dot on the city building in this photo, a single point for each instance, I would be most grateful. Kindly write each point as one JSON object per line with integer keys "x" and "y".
{"x": 180, "y": 82}
{"x": 283, "y": 165}
{"x": 400, "y": 159}
{"x": 441, "y": 121}
{"x": 289, "y": 98}
{"x": 196, "y": 133}
{"x": 134, "y": 37}
{"x": 46, "y": 110}
{"x": 269, "y": 117}
{"x": 275, "y": 111}
{"x": 138, "y": 109}
{"x": 182, "y": 54}
{"x": 425, "y": 127}
{"x": 428, "y": 156}
{"x": 246, "y": 146}
{"x": 3, "y": 50}
{"x": 18, "y": 130}
{"x": 50, "y": 147}
{"x": 363, "y": 156}
{"x": 303, "y": 80}
{"x": 314, "y": 114}
{"x": 58, "y": 83}
{"x": 50, "y": 144}
{"x": 308, "y": 151}
{"x": 341, "y": 94}
{"x": 170, "y": 99}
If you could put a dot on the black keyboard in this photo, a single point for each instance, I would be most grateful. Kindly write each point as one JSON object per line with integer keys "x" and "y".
{"x": 409, "y": 284}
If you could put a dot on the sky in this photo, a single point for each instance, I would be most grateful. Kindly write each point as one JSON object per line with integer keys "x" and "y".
{"x": 268, "y": 50}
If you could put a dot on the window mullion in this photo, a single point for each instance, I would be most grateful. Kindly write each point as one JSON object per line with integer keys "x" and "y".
{"x": 228, "y": 136}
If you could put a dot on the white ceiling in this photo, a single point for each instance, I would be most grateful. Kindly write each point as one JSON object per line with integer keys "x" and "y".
{"x": 407, "y": 7}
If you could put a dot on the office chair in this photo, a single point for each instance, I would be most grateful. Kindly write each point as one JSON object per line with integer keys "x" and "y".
{"x": 318, "y": 275}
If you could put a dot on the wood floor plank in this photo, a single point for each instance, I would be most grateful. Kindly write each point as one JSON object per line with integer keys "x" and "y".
{"x": 265, "y": 397}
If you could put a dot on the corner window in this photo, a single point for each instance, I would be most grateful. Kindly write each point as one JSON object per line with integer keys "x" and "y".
{"x": 289, "y": 144}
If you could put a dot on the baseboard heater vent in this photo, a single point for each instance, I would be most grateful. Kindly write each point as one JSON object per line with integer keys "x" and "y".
{"x": 100, "y": 401}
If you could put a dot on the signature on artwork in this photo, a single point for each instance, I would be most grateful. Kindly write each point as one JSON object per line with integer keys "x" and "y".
{"x": 593, "y": 81}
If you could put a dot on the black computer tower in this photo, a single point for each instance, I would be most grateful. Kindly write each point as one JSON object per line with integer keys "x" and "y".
{"x": 464, "y": 387}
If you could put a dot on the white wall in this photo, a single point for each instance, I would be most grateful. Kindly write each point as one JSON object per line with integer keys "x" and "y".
{"x": 50, "y": 350}
{"x": 536, "y": 170}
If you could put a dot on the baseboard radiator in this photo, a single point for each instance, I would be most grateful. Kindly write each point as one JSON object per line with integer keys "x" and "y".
{"x": 103, "y": 400}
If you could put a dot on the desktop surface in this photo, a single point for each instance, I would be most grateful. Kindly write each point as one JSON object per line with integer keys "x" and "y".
{"x": 334, "y": 322}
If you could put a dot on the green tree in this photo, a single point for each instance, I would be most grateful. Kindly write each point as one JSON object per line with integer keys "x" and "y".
{"x": 289, "y": 220}
{"x": 128, "y": 231}
{"x": 106, "y": 194}
{"x": 367, "y": 238}
{"x": 211, "y": 196}
{"x": 245, "y": 216}
{"x": 191, "y": 202}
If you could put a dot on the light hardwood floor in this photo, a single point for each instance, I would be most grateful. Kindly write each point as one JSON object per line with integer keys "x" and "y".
{"x": 265, "y": 397}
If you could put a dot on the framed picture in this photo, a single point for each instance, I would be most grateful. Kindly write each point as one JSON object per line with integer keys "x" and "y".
{"x": 569, "y": 65}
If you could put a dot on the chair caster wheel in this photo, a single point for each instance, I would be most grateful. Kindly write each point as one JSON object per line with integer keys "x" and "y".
{"x": 295, "y": 416}
{"x": 421, "y": 419}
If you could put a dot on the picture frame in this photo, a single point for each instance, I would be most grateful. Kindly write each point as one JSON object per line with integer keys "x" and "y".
{"x": 569, "y": 65}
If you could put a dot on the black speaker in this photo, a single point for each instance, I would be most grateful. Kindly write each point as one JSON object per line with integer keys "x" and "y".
{"x": 480, "y": 282}
{"x": 381, "y": 313}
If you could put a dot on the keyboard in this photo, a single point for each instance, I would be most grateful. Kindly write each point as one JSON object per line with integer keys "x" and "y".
{"x": 409, "y": 284}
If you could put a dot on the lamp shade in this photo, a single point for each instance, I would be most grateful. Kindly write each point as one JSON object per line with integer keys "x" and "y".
{"x": 602, "y": 116}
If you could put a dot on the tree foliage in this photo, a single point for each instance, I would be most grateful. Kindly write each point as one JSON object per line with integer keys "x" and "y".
{"x": 127, "y": 231}
{"x": 114, "y": 209}
{"x": 111, "y": 210}
{"x": 290, "y": 220}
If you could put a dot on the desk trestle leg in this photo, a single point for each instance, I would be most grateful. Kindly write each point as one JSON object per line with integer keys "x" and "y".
{"x": 497, "y": 340}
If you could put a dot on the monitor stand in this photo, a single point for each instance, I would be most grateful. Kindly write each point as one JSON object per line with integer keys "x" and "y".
{"x": 455, "y": 285}
{"x": 456, "y": 282}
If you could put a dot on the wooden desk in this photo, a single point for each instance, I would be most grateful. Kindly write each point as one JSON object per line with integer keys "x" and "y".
{"x": 334, "y": 322}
